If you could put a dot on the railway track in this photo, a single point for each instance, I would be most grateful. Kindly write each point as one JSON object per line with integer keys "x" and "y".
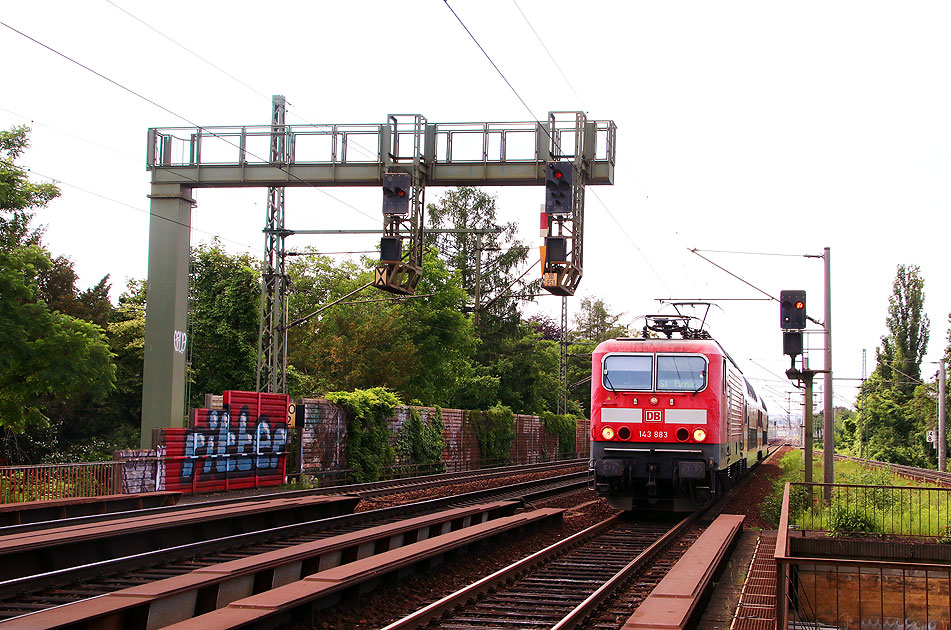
{"x": 363, "y": 490}
{"x": 909, "y": 472}
{"x": 42, "y": 591}
{"x": 555, "y": 587}
{"x": 587, "y": 581}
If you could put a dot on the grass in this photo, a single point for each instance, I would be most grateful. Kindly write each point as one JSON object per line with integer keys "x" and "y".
{"x": 914, "y": 510}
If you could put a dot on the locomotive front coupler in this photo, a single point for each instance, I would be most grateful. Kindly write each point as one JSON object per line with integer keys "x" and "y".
{"x": 652, "y": 479}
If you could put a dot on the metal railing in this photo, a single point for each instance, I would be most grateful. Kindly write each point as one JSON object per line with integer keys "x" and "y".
{"x": 490, "y": 142}
{"x": 818, "y": 588}
{"x": 848, "y": 509}
{"x": 44, "y": 482}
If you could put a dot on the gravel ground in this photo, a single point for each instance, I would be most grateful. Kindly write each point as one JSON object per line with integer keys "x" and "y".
{"x": 751, "y": 495}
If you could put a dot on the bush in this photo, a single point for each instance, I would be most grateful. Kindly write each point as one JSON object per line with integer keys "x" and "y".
{"x": 368, "y": 436}
{"x": 564, "y": 427}
{"x": 845, "y": 518}
{"x": 495, "y": 431}
{"x": 799, "y": 501}
{"x": 422, "y": 443}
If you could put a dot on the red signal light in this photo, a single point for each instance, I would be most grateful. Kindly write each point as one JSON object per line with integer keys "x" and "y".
{"x": 402, "y": 193}
{"x": 558, "y": 175}
{"x": 800, "y": 306}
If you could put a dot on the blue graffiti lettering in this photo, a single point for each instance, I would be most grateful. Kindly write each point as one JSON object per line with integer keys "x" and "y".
{"x": 225, "y": 449}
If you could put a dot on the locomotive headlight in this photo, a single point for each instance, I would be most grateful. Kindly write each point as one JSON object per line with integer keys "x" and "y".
{"x": 607, "y": 433}
{"x": 699, "y": 435}
{"x": 653, "y": 400}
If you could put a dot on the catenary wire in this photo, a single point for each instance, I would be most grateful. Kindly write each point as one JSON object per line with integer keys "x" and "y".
{"x": 127, "y": 205}
{"x": 360, "y": 148}
{"x": 176, "y": 115}
{"x": 549, "y": 133}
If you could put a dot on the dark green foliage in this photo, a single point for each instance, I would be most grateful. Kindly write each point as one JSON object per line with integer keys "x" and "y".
{"x": 46, "y": 354}
{"x": 368, "y": 445}
{"x": 895, "y": 408}
{"x": 225, "y": 297}
{"x": 503, "y": 255}
{"x": 18, "y": 195}
{"x": 421, "y": 443}
{"x": 847, "y": 518}
{"x": 525, "y": 365}
{"x": 564, "y": 427}
{"x": 495, "y": 431}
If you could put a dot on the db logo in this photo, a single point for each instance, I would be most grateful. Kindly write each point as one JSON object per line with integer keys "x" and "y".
{"x": 653, "y": 415}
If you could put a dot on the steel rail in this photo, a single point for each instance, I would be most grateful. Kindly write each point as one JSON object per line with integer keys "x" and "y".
{"x": 921, "y": 474}
{"x": 424, "y": 615}
{"x": 369, "y": 489}
{"x": 577, "y": 616}
{"x": 527, "y": 491}
{"x": 582, "y": 611}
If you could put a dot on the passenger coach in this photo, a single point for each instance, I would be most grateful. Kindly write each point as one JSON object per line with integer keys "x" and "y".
{"x": 673, "y": 420}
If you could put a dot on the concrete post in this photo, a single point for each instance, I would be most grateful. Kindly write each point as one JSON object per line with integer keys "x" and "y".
{"x": 942, "y": 437}
{"x": 166, "y": 312}
{"x": 828, "y": 414}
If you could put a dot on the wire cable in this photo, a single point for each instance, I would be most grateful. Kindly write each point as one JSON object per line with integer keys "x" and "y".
{"x": 549, "y": 132}
{"x": 186, "y": 49}
{"x": 179, "y": 116}
{"x": 360, "y": 148}
{"x": 504, "y": 78}
{"x": 127, "y": 205}
{"x": 550, "y": 56}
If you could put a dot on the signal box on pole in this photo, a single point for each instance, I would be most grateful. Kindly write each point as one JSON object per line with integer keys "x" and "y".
{"x": 792, "y": 310}
{"x": 396, "y": 193}
{"x": 558, "y": 193}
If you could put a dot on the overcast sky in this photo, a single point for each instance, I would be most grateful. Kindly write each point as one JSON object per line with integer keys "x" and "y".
{"x": 777, "y": 128}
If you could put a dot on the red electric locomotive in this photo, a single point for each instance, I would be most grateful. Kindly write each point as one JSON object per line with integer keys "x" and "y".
{"x": 673, "y": 420}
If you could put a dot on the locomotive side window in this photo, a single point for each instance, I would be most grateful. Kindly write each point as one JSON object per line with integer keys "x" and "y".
{"x": 628, "y": 372}
{"x": 681, "y": 373}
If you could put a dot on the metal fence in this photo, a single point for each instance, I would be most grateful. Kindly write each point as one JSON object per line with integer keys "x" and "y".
{"x": 850, "y": 509}
{"x": 59, "y": 481}
{"x": 826, "y": 529}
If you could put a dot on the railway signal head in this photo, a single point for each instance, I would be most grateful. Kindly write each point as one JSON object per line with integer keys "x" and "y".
{"x": 558, "y": 194}
{"x": 396, "y": 188}
{"x": 792, "y": 310}
{"x": 391, "y": 249}
{"x": 792, "y": 343}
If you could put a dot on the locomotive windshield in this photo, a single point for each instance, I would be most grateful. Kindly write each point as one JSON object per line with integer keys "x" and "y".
{"x": 681, "y": 373}
{"x": 625, "y": 371}
{"x": 636, "y": 372}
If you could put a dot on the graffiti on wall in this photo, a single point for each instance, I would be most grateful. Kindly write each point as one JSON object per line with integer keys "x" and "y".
{"x": 234, "y": 447}
{"x": 246, "y": 446}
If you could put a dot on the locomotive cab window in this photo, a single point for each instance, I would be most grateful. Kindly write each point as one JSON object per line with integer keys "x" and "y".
{"x": 628, "y": 372}
{"x": 681, "y": 373}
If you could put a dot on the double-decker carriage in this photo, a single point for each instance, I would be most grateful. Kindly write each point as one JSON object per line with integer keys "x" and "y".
{"x": 673, "y": 420}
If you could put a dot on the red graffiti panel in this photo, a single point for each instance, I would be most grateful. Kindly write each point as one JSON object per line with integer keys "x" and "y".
{"x": 243, "y": 445}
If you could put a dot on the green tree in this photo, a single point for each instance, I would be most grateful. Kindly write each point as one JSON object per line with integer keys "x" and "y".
{"x": 503, "y": 256}
{"x": 514, "y": 364}
{"x": 442, "y": 336}
{"x": 594, "y": 322}
{"x": 19, "y": 197}
{"x": 224, "y": 297}
{"x": 47, "y": 355}
{"x": 903, "y": 348}
{"x": 419, "y": 347}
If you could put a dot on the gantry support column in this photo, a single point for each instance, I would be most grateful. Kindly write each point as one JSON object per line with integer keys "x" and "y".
{"x": 272, "y": 333}
{"x": 166, "y": 311}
